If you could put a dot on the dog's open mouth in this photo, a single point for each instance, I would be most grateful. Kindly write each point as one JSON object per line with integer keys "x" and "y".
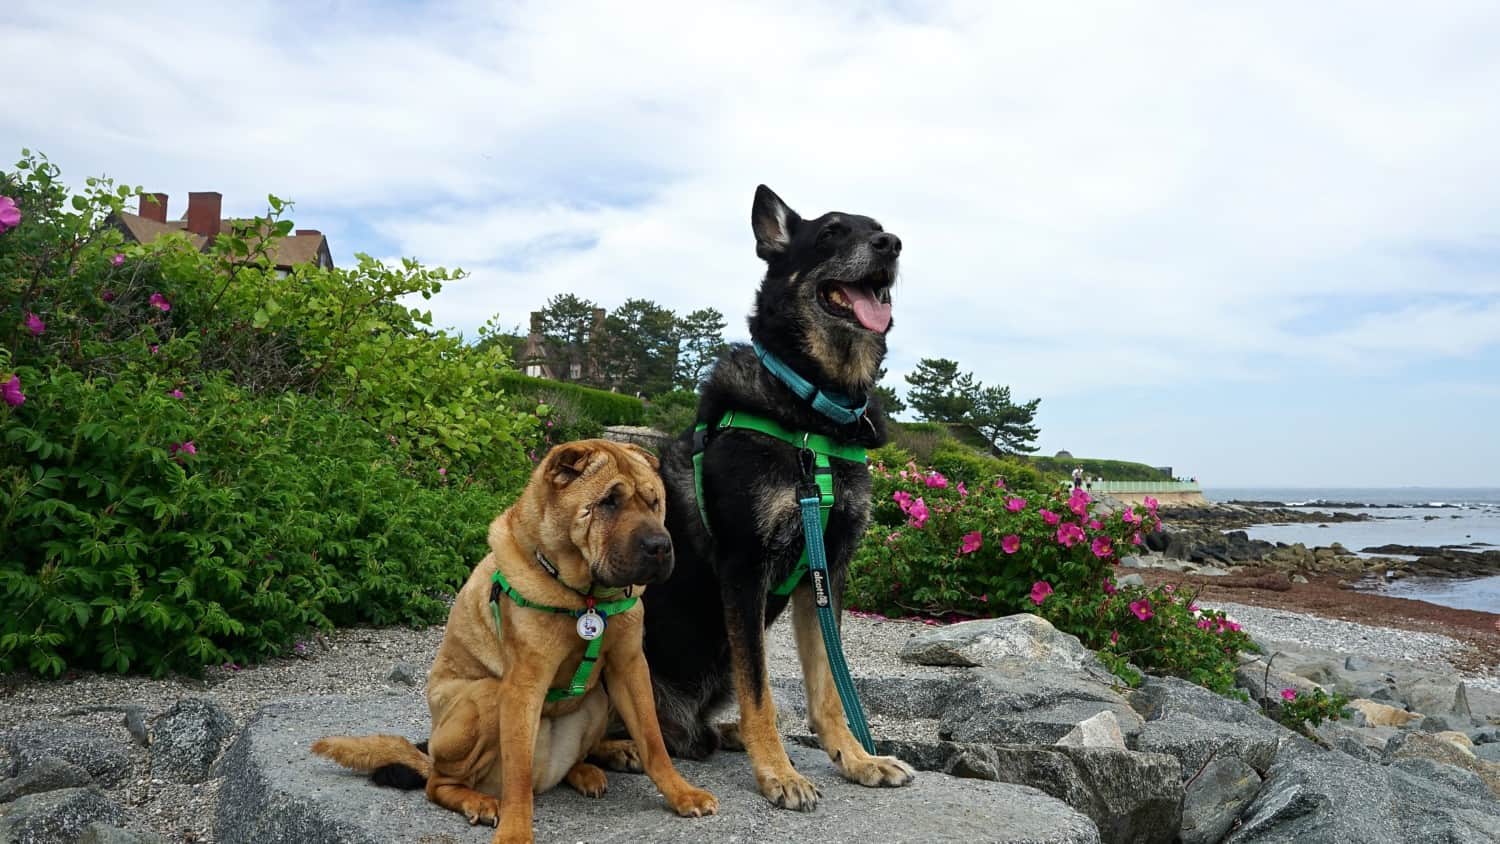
{"x": 867, "y": 301}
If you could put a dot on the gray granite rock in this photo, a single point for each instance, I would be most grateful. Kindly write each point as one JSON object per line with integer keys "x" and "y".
{"x": 56, "y": 817}
{"x": 186, "y": 739}
{"x": 998, "y": 641}
{"x": 1215, "y": 798}
{"x": 1021, "y": 704}
{"x": 95, "y": 751}
{"x": 1102, "y": 730}
{"x": 1196, "y": 726}
{"x": 405, "y": 674}
{"x": 99, "y": 833}
{"x": 1332, "y": 798}
{"x": 275, "y": 790}
{"x": 46, "y": 774}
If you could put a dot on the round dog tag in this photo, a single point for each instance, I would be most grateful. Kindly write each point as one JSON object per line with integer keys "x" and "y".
{"x": 590, "y": 625}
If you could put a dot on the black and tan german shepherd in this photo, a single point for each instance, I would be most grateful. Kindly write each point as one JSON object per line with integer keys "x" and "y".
{"x": 823, "y": 309}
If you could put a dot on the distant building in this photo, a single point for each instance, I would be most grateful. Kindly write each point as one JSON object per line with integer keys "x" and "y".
{"x": 1064, "y": 455}
{"x": 566, "y": 364}
{"x": 202, "y": 223}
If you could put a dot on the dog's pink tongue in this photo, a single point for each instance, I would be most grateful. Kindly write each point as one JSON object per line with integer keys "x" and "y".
{"x": 871, "y": 313}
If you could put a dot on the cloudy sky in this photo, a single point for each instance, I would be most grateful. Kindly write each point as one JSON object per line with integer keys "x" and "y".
{"x": 1257, "y": 242}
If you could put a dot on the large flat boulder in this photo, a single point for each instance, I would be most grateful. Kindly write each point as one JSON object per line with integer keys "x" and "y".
{"x": 275, "y": 790}
{"x": 1333, "y": 798}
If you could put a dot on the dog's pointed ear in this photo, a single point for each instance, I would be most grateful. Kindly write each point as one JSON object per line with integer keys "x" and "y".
{"x": 773, "y": 222}
{"x": 567, "y": 462}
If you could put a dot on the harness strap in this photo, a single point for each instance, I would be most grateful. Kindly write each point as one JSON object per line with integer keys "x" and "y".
{"x": 579, "y": 684}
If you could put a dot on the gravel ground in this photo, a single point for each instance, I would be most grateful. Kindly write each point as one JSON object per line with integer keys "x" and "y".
{"x": 359, "y": 662}
{"x": 1430, "y": 651}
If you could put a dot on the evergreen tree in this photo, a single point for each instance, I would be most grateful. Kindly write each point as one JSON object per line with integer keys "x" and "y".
{"x": 700, "y": 341}
{"x": 639, "y": 352}
{"x": 567, "y": 329}
{"x": 1010, "y": 426}
{"x": 939, "y": 392}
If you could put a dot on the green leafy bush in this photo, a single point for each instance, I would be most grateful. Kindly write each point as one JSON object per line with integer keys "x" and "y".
{"x": 1298, "y": 709}
{"x": 952, "y": 549}
{"x": 605, "y": 407}
{"x": 1159, "y": 629}
{"x": 150, "y": 532}
{"x": 674, "y": 412}
{"x": 201, "y": 458}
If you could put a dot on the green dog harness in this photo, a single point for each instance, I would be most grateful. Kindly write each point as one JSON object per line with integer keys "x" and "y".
{"x": 815, "y": 499}
{"x": 592, "y": 620}
{"x": 821, "y": 448}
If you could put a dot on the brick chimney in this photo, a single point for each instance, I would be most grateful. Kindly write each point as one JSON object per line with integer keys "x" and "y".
{"x": 154, "y": 207}
{"x": 308, "y": 232}
{"x": 204, "y": 212}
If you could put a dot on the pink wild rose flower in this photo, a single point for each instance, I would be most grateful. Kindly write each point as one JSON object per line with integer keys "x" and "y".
{"x": 1142, "y": 609}
{"x": 1010, "y": 544}
{"x": 160, "y": 302}
{"x": 972, "y": 542}
{"x": 34, "y": 324}
{"x": 1069, "y": 534}
{"x": 1095, "y": 524}
{"x": 963, "y": 492}
{"x": 918, "y": 514}
{"x": 1109, "y": 587}
{"x": 1050, "y": 517}
{"x": 1288, "y": 694}
{"x": 1078, "y": 502}
{"x": 1114, "y": 637}
{"x": 1102, "y": 547}
{"x": 1129, "y": 517}
{"x": 1015, "y": 505}
{"x": 936, "y": 481}
{"x": 10, "y": 215}
{"x": 1039, "y": 591}
{"x": 118, "y": 259}
{"x": 176, "y": 394}
{"x": 11, "y": 390}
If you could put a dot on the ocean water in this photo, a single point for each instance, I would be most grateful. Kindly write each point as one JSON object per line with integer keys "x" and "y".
{"x": 1432, "y": 516}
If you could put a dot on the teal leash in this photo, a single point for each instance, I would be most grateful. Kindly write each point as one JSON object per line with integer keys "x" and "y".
{"x": 817, "y": 569}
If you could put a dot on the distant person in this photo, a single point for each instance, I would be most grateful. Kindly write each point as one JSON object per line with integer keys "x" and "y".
{"x": 1077, "y": 477}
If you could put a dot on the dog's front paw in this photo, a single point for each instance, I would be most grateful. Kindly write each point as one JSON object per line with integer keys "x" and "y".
{"x": 694, "y": 803}
{"x": 482, "y": 810}
{"x": 876, "y": 771}
{"x": 789, "y": 790}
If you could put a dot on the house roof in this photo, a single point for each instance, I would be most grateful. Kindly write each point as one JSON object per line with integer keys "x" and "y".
{"x": 289, "y": 251}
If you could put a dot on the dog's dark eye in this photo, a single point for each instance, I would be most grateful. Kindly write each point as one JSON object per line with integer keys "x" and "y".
{"x": 831, "y": 231}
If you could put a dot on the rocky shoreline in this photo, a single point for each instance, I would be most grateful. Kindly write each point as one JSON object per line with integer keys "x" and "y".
{"x": 1213, "y": 536}
{"x": 1070, "y": 754}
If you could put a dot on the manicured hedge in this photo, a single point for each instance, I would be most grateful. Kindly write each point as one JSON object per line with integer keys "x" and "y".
{"x": 605, "y": 407}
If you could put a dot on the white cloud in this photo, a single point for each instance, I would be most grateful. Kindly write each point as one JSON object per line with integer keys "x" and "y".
{"x": 1175, "y": 191}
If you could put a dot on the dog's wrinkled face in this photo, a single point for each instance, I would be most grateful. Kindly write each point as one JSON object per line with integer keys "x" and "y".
{"x": 829, "y": 279}
{"x": 610, "y": 507}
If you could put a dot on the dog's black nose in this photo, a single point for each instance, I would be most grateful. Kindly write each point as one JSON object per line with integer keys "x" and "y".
{"x": 885, "y": 243}
{"x": 657, "y": 547}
